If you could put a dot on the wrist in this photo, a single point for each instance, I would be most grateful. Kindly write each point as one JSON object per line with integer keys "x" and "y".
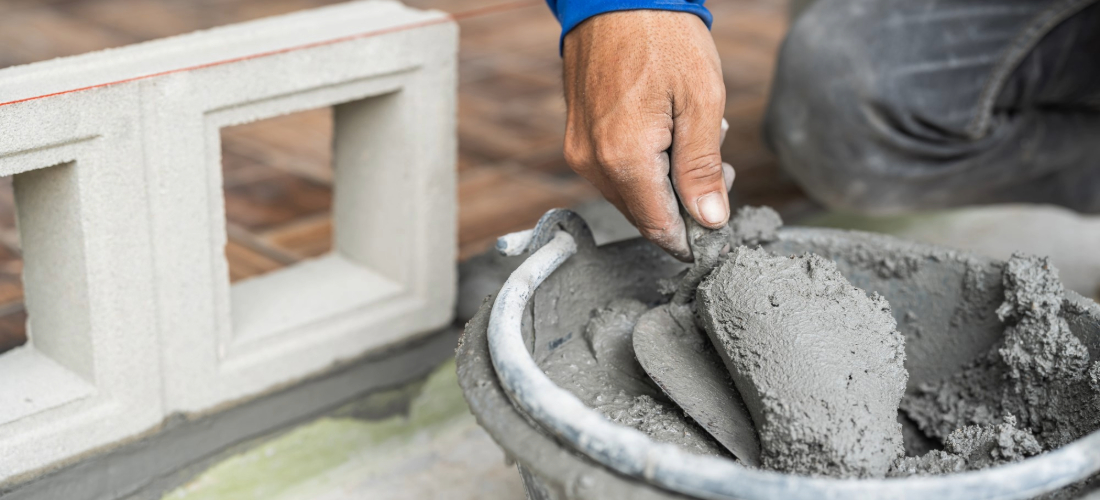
{"x": 572, "y": 13}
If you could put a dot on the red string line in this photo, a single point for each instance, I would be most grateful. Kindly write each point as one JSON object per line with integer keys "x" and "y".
{"x": 457, "y": 16}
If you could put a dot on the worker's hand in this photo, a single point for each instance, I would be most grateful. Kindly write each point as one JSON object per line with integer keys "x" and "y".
{"x": 639, "y": 84}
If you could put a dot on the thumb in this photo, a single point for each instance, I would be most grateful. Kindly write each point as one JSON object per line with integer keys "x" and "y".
{"x": 697, "y": 171}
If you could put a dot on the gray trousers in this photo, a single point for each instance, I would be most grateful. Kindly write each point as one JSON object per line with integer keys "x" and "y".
{"x": 884, "y": 106}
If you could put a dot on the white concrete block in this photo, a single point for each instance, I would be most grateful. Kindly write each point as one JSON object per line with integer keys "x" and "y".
{"x": 90, "y": 375}
{"x": 121, "y": 211}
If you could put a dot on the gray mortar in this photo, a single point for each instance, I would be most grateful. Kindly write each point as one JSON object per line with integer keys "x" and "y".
{"x": 818, "y": 362}
{"x": 943, "y": 300}
{"x": 755, "y": 226}
{"x": 986, "y": 446}
{"x": 1040, "y": 371}
{"x": 601, "y": 370}
{"x": 1038, "y": 342}
{"x": 971, "y": 448}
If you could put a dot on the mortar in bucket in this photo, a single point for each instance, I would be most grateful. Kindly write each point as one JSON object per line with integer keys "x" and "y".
{"x": 944, "y": 301}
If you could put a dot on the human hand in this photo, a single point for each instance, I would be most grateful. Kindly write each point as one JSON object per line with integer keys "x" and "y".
{"x": 638, "y": 85}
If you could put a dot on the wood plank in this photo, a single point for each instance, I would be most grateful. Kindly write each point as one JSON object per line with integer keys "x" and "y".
{"x": 298, "y": 143}
{"x": 13, "y": 329}
{"x": 246, "y": 263}
{"x": 304, "y": 238}
{"x": 267, "y": 203}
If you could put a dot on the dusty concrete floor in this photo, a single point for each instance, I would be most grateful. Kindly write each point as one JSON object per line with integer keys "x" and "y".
{"x": 433, "y": 450}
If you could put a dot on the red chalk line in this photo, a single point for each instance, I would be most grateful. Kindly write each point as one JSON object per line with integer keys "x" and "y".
{"x": 457, "y": 16}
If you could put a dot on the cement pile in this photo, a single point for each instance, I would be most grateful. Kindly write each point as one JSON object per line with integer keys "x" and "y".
{"x": 1039, "y": 375}
{"x": 971, "y": 448}
{"x": 755, "y": 226}
{"x": 818, "y": 362}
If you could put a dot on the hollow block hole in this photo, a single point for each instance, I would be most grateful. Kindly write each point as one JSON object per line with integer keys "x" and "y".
{"x": 13, "y": 316}
{"x": 278, "y": 191}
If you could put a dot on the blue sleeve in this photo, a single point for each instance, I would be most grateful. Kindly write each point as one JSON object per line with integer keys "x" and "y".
{"x": 570, "y": 13}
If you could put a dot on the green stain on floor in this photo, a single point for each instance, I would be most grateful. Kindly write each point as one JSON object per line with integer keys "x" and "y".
{"x": 299, "y": 456}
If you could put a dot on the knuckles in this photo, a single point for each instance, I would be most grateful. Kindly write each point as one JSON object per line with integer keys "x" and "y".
{"x": 616, "y": 159}
{"x": 617, "y": 162}
{"x": 579, "y": 158}
{"x": 713, "y": 94}
{"x": 705, "y": 169}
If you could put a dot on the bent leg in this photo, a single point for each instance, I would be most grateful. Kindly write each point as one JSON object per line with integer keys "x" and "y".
{"x": 886, "y": 106}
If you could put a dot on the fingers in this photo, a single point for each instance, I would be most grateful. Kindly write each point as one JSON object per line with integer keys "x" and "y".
{"x": 652, "y": 203}
{"x": 643, "y": 186}
{"x": 697, "y": 169}
{"x": 639, "y": 185}
{"x": 610, "y": 193}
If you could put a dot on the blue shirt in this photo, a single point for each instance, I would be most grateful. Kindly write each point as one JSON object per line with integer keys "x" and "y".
{"x": 570, "y": 13}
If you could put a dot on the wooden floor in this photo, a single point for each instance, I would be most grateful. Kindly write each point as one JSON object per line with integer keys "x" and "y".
{"x": 511, "y": 121}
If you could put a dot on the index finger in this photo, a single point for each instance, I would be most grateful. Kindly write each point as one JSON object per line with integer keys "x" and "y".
{"x": 646, "y": 191}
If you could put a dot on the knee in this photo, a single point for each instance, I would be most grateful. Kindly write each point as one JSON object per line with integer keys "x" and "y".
{"x": 815, "y": 121}
{"x": 825, "y": 118}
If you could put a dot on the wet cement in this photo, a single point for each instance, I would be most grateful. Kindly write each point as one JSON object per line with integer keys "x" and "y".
{"x": 819, "y": 363}
{"x": 972, "y": 447}
{"x": 1040, "y": 372}
{"x": 755, "y": 226}
{"x": 601, "y": 370}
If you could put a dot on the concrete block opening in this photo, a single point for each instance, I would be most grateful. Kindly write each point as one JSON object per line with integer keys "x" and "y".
{"x": 13, "y": 314}
{"x": 277, "y": 176}
{"x": 53, "y": 361}
{"x": 332, "y": 240}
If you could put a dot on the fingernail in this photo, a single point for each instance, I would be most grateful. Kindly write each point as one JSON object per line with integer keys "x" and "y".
{"x": 711, "y": 208}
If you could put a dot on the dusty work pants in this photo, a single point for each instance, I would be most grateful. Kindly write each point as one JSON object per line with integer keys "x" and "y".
{"x": 884, "y": 106}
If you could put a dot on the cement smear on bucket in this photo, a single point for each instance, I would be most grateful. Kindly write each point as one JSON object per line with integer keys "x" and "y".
{"x": 601, "y": 370}
{"x": 819, "y": 363}
{"x": 1039, "y": 375}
